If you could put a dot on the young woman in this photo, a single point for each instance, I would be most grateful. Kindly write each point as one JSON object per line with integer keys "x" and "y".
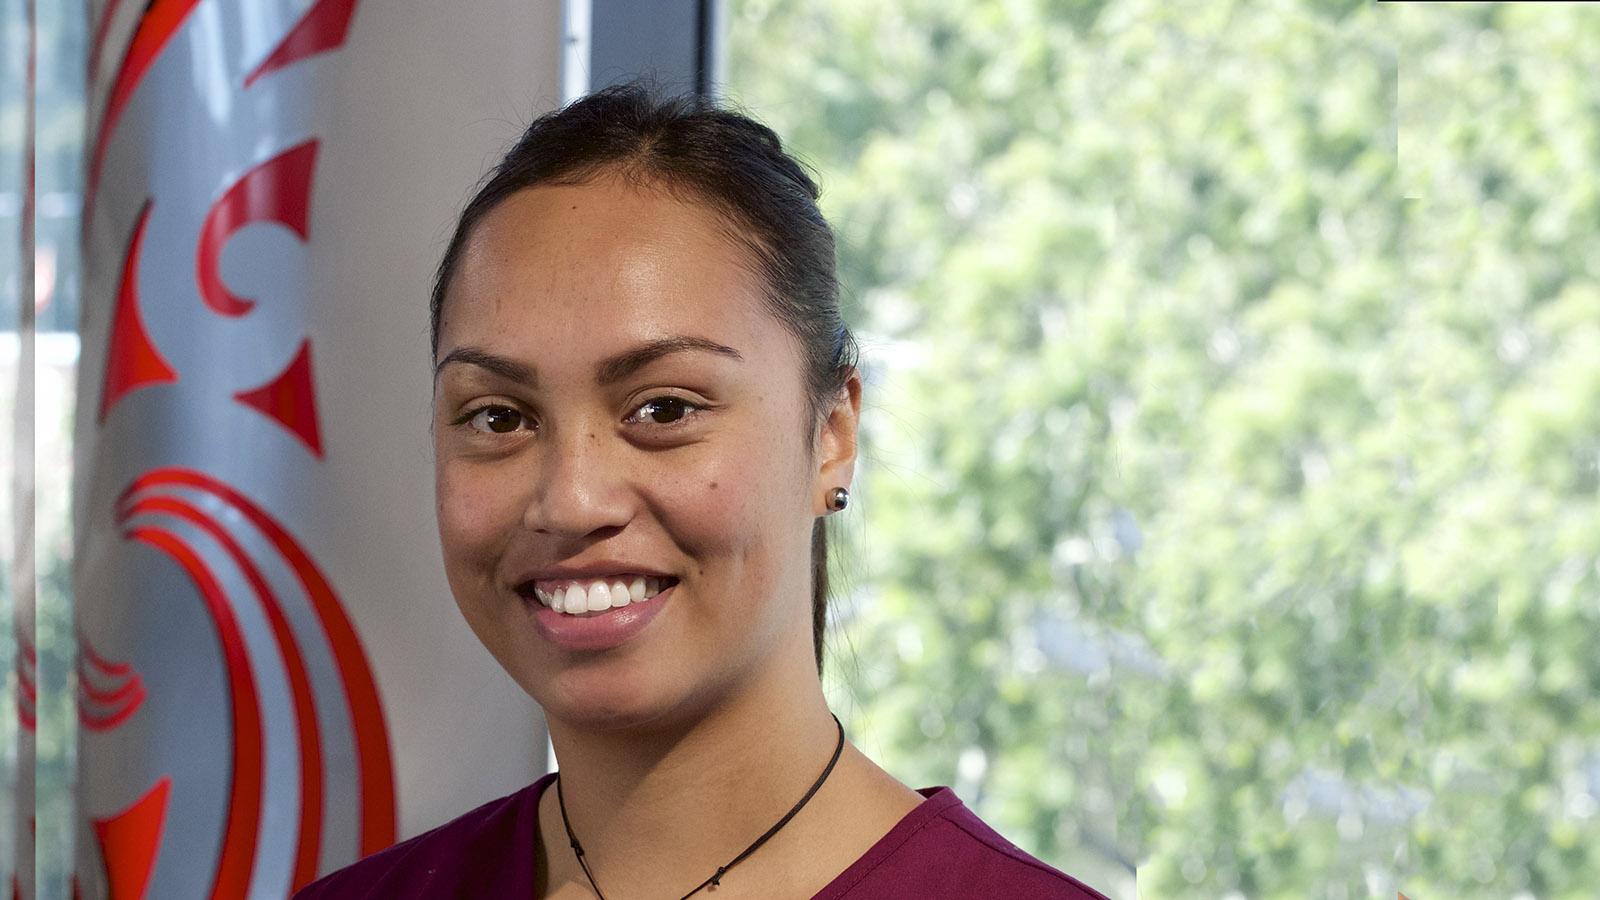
{"x": 645, "y": 406}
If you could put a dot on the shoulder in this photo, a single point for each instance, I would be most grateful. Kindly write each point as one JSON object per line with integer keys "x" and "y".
{"x": 486, "y": 852}
{"x": 942, "y": 851}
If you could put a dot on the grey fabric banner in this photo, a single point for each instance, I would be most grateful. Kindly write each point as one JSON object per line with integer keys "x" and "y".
{"x": 273, "y": 679}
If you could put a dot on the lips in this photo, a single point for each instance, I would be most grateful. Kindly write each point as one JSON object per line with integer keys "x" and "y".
{"x": 608, "y": 611}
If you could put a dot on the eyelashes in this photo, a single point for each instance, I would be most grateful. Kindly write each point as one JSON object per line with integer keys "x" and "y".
{"x": 493, "y": 419}
{"x": 665, "y": 410}
{"x": 499, "y": 418}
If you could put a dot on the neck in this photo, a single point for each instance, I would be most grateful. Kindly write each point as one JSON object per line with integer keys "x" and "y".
{"x": 667, "y": 806}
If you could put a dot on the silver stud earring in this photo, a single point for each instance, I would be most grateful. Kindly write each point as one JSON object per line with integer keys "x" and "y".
{"x": 838, "y": 499}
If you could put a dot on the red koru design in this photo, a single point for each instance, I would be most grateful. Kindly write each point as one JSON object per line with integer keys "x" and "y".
{"x": 155, "y": 494}
{"x": 290, "y": 399}
{"x": 101, "y": 32}
{"x": 130, "y": 840}
{"x": 278, "y": 190}
{"x": 232, "y": 878}
{"x": 310, "y": 744}
{"x": 108, "y": 693}
{"x": 321, "y": 29}
{"x": 27, "y": 683}
{"x": 156, "y": 27}
{"x": 160, "y": 509}
{"x": 132, "y": 361}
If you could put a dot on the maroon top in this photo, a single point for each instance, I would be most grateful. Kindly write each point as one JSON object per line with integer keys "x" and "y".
{"x": 939, "y": 851}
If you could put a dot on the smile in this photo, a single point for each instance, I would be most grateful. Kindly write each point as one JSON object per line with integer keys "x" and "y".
{"x": 596, "y": 595}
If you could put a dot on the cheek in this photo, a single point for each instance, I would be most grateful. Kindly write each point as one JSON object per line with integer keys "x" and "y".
{"x": 736, "y": 507}
{"x": 474, "y": 513}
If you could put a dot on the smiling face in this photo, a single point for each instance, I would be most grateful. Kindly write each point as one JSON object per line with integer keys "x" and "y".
{"x": 627, "y": 467}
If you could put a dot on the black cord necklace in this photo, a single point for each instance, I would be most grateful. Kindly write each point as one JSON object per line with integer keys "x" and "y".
{"x": 577, "y": 848}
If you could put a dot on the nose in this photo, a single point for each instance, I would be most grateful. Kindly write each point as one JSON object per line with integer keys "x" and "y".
{"x": 581, "y": 486}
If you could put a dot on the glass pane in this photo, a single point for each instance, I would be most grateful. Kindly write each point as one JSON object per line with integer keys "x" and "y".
{"x": 58, "y": 136}
{"x": 13, "y": 135}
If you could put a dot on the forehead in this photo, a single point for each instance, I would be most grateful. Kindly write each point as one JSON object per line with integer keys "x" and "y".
{"x": 568, "y": 263}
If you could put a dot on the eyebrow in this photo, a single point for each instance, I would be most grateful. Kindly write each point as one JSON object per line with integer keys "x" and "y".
{"x": 624, "y": 364}
{"x": 609, "y": 371}
{"x": 496, "y": 365}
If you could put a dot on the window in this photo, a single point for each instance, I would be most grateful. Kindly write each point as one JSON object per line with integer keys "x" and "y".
{"x": 58, "y": 137}
{"x": 1235, "y": 405}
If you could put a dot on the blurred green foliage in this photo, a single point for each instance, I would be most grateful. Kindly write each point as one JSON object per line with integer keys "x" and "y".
{"x": 1233, "y": 429}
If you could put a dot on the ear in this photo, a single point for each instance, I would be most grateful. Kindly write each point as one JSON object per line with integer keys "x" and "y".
{"x": 836, "y": 443}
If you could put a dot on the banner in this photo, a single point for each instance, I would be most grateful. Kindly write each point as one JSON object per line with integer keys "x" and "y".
{"x": 273, "y": 679}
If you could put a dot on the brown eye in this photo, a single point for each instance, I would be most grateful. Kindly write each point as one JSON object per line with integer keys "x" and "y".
{"x": 663, "y": 411}
{"x": 497, "y": 419}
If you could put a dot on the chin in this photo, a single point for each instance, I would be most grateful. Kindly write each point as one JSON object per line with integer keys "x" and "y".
{"x": 596, "y": 702}
{"x": 607, "y": 720}
{"x": 591, "y": 702}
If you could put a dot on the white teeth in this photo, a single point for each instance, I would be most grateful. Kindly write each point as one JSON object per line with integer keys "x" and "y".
{"x": 597, "y": 596}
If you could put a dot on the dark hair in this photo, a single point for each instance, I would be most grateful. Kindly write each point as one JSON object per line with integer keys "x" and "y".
{"x": 701, "y": 151}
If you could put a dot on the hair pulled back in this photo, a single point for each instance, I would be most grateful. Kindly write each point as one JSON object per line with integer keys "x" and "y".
{"x": 701, "y": 152}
